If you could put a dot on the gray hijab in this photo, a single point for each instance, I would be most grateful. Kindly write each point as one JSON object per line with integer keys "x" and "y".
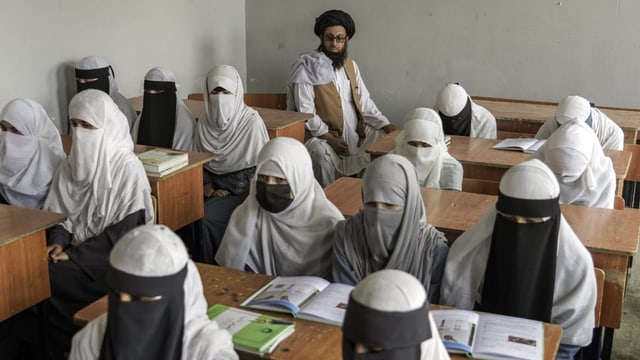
{"x": 391, "y": 239}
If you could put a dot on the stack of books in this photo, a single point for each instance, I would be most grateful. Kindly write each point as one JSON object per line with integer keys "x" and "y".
{"x": 159, "y": 162}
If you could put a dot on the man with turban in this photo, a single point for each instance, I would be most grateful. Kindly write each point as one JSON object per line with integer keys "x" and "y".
{"x": 327, "y": 83}
{"x": 575, "y": 107}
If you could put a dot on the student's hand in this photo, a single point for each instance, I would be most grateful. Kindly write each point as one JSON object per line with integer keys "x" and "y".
{"x": 56, "y": 253}
{"x": 340, "y": 147}
{"x": 207, "y": 191}
{"x": 221, "y": 193}
{"x": 389, "y": 128}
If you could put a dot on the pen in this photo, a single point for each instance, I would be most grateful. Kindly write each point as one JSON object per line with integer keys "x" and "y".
{"x": 273, "y": 321}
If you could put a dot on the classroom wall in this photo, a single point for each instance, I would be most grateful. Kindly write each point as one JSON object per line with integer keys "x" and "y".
{"x": 43, "y": 39}
{"x": 406, "y": 50}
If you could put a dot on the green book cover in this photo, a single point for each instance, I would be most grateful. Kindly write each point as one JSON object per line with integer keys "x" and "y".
{"x": 250, "y": 331}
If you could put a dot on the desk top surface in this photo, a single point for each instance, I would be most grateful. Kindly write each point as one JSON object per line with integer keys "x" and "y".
{"x": 310, "y": 340}
{"x": 600, "y": 230}
{"x": 274, "y": 119}
{"x": 508, "y": 109}
{"x": 477, "y": 151}
{"x": 17, "y": 222}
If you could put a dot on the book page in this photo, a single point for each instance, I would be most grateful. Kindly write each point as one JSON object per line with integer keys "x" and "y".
{"x": 288, "y": 291}
{"x": 515, "y": 144}
{"x": 510, "y": 337}
{"x": 457, "y": 328}
{"x": 330, "y": 305}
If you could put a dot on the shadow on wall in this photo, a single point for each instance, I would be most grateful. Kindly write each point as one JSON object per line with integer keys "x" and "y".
{"x": 66, "y": 80}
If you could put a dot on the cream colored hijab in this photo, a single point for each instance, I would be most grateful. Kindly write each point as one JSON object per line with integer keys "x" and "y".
{"x": 102, "y": 181}
{"x": 295, "y": 241}
{"x": 420, "y": 126}
{"x": 585, "y": 174}
{"x": 28, "y": 161}
{"x": 233, "y": 132}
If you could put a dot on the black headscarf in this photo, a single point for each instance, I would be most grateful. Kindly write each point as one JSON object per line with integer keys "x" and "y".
{"x": 520, "y": 276}
{"x": 333, "y": 18}
{"x": 399, "y": 333}
{"x": 459, "y": 124}
{"x": 101, "y": 74}
{"x": 145, "y": 329}
{"x": 158, "y": 118}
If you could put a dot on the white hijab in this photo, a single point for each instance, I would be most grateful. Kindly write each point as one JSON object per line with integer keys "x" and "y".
{"x": 155, "y": 251}
{"x": 427, "y": 160}
{"x": 233, "y": 132}
{"x": 296, "y": 241}
{"x": 183, "y": 135}
{"x": 28, "y": 161}
{"x": 397, "y": 291}
{"x": 310, "y": 68}
{"x": 102, "y": 181}
{"x": 575, "y": 290}
{"x": 585, "y": 174}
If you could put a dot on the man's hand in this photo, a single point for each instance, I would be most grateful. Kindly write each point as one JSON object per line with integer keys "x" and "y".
{"x": 56, "y": 253}
{"x": 340, "y": 147}
{"x": 389, "y": 128}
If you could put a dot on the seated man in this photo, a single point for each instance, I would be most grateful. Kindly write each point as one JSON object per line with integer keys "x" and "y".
{"x": 387, "y": 319}
{"x": 461, "y": 116}
{"x": 327, "y": 83}
{"x": 576, "y": 107}
{"x": 157, "y": 309}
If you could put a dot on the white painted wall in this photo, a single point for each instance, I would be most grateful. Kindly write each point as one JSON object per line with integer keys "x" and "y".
{"x": 41, "y": 40}
{"x": 406, "y": 50}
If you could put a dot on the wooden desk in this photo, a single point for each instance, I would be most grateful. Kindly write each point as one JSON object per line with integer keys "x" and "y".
{"x": 483, "y": 166}
{"x": 179, "y": 194}
{"x": 522, "y": 116}
{"x": 24, "y": 267}
{"x": 311, "y": 340}
{"x": 611, "y": 236}
{"x": 278, "y": 122}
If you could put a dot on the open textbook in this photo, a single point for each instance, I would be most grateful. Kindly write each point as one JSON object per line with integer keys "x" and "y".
{"x": 482, "y": 335}
{"x": 305, "y": 297}
{"x": 251, "y": 332}
{"x": 528, "y": 145}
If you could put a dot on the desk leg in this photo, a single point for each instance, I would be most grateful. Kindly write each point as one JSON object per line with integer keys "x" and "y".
{"x": 43, "y": 327}
{"x": 607, "y": 344}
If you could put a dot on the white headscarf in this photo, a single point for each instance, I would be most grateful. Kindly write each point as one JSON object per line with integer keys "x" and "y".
{"x": 155, "y": 251}
{"x": 397, "y": 291}
{"x": 185, "y": 124}
{"x": 427, "y": 160}
{"x": 573, "y": 108}
{"x": 28, "y": 161}
{"x": 585, "y": 174}
{"x": 575, "y": 290}
{"x": 233, "y": 132}
{"x": 295, "y": 241}
{"x": 102, "y": 181}
{"x": 451, "y": 99}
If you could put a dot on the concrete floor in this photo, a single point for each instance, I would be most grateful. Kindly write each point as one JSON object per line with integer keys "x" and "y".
{"x": 626, "y": 340}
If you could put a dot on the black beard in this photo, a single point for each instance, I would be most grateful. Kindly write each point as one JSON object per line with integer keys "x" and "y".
{"x": 337, "y": 58}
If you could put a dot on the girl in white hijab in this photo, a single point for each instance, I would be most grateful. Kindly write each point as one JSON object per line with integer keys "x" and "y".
{"x": 30, "y": 152}
{"x": 461, "y": 116}
{"x": 585, "y": 174}
{"x": 574, "y": 107}
{"x": 391, "y": 231}
{"x": 286, "y": 225}
{"x": 389, "y": 310}
{"x": 165, "y": 120}
{"x": 93, "y": 72}
{"x": 523, "y": 259}
{"x": 422, "y": 143}
{"x": 103, "y": 190}
{"x": 153, "y": 289}
{"x": 234, "y": 133}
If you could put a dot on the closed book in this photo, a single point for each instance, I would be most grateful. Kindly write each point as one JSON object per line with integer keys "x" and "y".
{"x": 251, "y": 332}
{"x": 167, "y": 171}
{"x": 158, "y": 160}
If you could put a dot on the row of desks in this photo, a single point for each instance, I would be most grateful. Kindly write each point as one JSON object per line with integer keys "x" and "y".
{"x": 483, "y": 166}
{"x": 610, "y": 235}
{"x": 310, "y": 340}
{"x": 527, "y": 117}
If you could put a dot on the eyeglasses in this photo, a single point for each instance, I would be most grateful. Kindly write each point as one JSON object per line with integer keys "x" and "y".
{"x": 339, "y": 39}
